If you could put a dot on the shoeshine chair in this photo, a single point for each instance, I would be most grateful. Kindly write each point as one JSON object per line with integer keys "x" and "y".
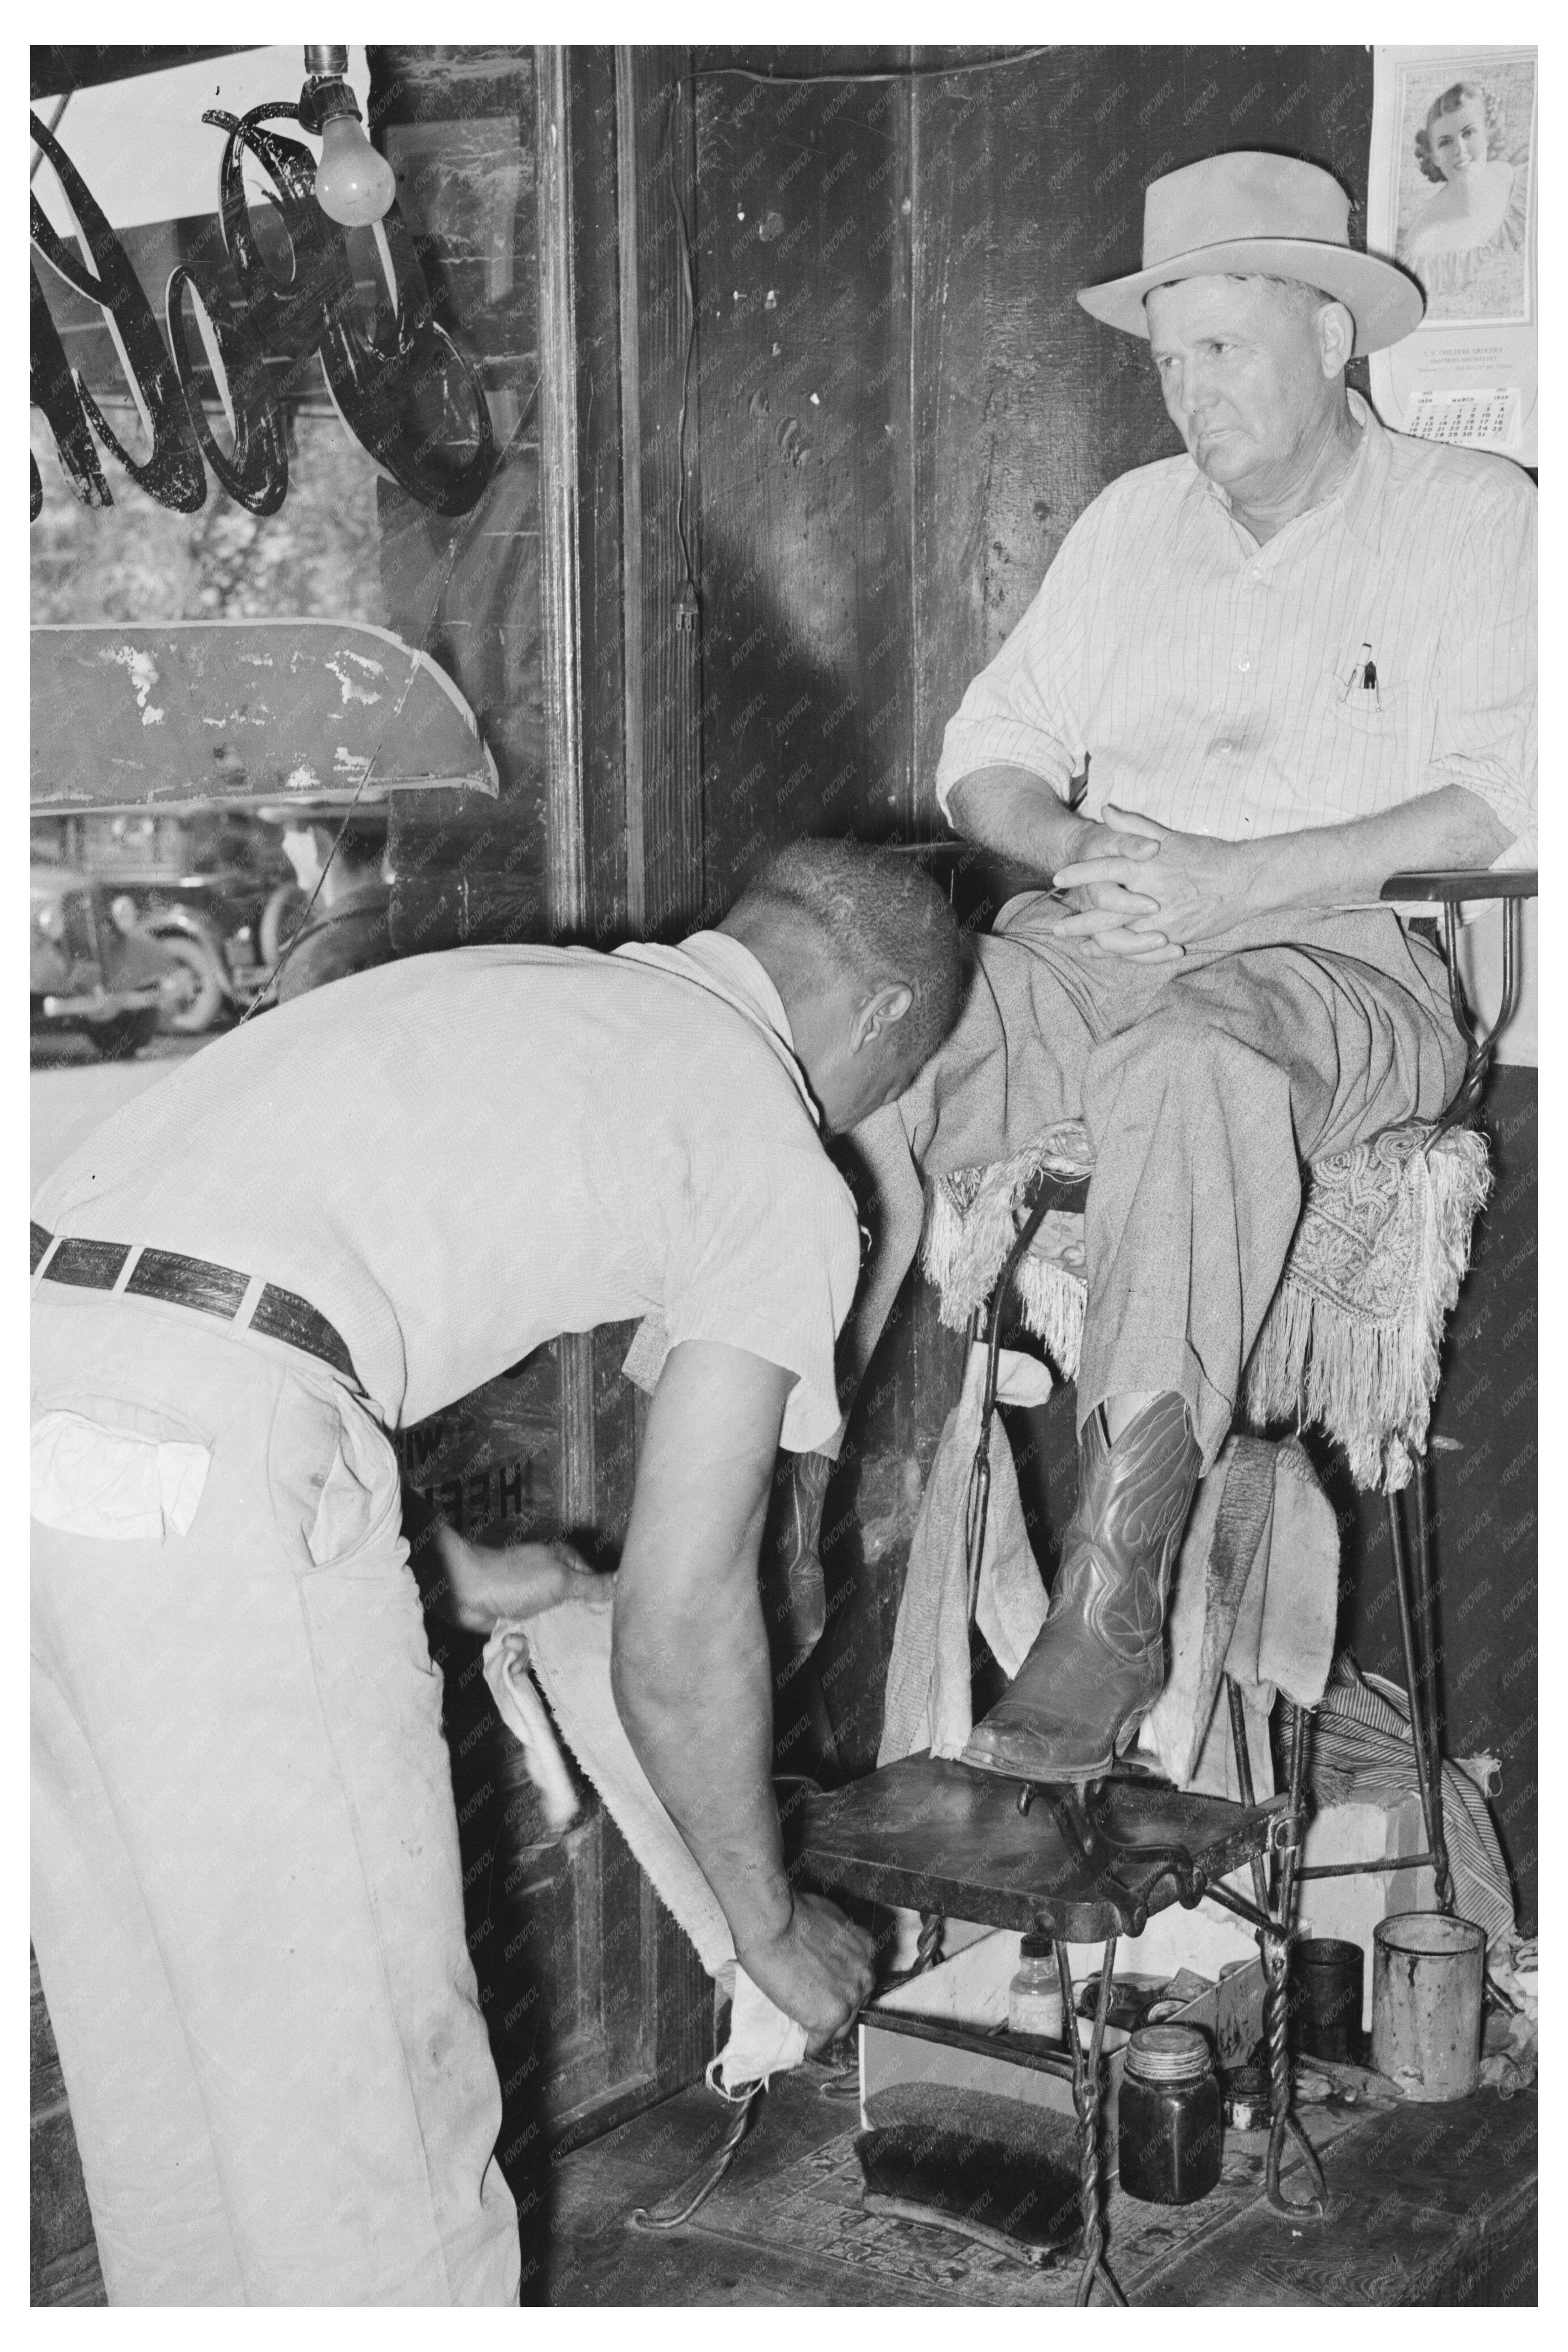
{"x": 1352, "y": 1343}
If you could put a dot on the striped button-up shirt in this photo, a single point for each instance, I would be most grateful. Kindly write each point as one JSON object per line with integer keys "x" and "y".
{"x": 1379, "y": 647}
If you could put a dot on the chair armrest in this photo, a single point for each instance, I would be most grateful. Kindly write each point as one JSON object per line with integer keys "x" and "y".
{"x": 1456, "y": 883}
{"x": 1448, "y": 887}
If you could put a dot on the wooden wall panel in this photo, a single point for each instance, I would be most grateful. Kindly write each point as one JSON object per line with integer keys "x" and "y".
{"x": 802, "y": 243}
{"x": 655, "y": 159}
{"x": 803, "y": 235}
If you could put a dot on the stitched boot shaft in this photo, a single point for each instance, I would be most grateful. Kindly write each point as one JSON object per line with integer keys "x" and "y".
{"x": 1097, "y": 1662}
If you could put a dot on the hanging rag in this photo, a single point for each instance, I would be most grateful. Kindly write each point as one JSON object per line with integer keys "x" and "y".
{"x": 567, "y": 1648}
{"x": 1255, "y": 1595}
{"x": 928, "y": 1702}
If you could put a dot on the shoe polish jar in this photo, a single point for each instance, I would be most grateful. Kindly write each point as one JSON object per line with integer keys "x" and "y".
{"x": 1170, "y": 2116}
{"x": 1035, "y": 1994}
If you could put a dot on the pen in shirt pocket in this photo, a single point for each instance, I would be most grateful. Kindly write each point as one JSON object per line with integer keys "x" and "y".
{"x": 1361, "y": 686}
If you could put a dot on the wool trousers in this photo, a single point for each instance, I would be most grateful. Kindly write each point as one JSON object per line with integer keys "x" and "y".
{"x": 1205, "y": 1086}
{"x": 247, "y": 1895}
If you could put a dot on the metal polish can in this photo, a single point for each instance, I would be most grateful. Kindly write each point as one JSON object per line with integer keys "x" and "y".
{"x": 1170, "y": 2116}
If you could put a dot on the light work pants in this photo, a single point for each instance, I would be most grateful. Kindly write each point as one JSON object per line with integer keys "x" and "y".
{"x": 247, "y": 1895}
{"x": 1205, "y": 1086}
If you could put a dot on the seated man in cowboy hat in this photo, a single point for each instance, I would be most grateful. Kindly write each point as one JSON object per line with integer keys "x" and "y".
{"x": 1295, "y": 659}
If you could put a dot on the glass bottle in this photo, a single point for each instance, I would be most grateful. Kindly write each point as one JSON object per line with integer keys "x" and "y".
{"x": 1035, "y": 1994}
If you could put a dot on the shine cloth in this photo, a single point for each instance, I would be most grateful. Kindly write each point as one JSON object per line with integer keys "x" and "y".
{"x": 927, "y": 1702}
{"x": 88, "y": 1480}
{"x": 568, "y": 1649}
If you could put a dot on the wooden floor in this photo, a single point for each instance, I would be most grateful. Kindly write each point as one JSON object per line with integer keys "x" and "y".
{"x": 1428, "y": 2205}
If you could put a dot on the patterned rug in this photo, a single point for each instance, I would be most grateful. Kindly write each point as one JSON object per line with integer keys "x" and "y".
{"x": 814, "y": 2205}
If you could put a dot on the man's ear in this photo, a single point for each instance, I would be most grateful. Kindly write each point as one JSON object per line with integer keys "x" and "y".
{"x": 878, "y": 1012}
{"x": 1336, "y": 337}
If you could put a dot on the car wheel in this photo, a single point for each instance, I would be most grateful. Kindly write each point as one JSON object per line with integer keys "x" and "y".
{"x": 118, "y": 1039}
{"x": 195, "y": 996}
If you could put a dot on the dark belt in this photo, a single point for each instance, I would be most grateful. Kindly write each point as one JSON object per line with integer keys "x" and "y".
{"x": 193, "y": 1282}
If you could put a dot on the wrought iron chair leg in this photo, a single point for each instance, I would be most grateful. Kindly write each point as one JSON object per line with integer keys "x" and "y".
{"x": 1275, "y": 1950}
{"x": 698, "y": 2187}
{"x": 1428, "y": 1766}
{"x": 1427, "y": 1618}
{"x": 1243, "y": 1781}
{"x": 1086, "y": 2104}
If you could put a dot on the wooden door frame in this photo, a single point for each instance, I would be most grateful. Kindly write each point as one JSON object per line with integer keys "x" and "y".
{"x": 623, "y": 757}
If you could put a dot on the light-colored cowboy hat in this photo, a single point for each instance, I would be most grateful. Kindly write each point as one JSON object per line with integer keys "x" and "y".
{"x": 1248, "y": 214}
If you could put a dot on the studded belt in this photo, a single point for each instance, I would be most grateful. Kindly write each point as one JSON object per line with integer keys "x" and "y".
{"x": 196, "y": 1282}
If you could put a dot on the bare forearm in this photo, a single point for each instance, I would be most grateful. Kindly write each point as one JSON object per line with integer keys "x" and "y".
{"x": 1019, "y": 816}
{"x": 1192, "y": 886}
{"x": 695, "y": 1695}
{"x": 1340, "y": 865}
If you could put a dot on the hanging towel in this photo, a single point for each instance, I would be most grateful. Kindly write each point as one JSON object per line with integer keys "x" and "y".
{"x": 927, "y": 1702}
{"x": 568, "y": 1649}
{"x": 1255, "y": 1596}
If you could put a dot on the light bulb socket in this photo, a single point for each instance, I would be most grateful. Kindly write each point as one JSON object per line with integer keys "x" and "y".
{"x": 324, "y": 97}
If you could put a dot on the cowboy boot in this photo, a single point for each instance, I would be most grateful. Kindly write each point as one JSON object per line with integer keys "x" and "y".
{"x": 1097, "y": 1664}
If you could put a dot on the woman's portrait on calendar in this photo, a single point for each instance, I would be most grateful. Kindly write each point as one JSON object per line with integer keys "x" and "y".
{"x": 1465, "y": 161}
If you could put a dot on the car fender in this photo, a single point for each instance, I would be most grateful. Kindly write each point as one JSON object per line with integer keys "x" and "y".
{"x": 159, "y": 922}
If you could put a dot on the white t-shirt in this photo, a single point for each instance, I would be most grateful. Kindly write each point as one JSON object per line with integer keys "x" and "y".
{"x": 456, "y": 1157}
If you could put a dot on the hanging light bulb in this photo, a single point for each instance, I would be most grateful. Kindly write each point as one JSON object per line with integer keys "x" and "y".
{"x": 354, "y": 185}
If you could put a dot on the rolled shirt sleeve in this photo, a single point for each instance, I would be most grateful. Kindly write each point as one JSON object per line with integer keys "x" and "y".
{"x": 766, "y": 1257}
{"x": 1024, "y": 709}
{"x": 1484, "y": 735}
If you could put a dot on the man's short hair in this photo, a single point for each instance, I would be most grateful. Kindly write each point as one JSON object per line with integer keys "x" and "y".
{"x": 876, "y": 914}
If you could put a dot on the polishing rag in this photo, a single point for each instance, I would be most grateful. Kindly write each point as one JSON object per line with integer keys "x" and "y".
{"x": 1255, "y": 1596}
{"x": 569, "y": 1650}
{"x": 522, "y": 1711}
{"x": 90, "y": 1480}
{"x": 927, "y": 1702}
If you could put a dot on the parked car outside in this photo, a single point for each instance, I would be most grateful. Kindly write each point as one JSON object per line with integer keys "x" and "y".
{"x": 92, "y": 967}
{"x": 213, "y": 886}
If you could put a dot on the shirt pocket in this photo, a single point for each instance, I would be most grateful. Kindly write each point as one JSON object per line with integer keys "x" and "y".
{"x": 1370, "y": 718}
